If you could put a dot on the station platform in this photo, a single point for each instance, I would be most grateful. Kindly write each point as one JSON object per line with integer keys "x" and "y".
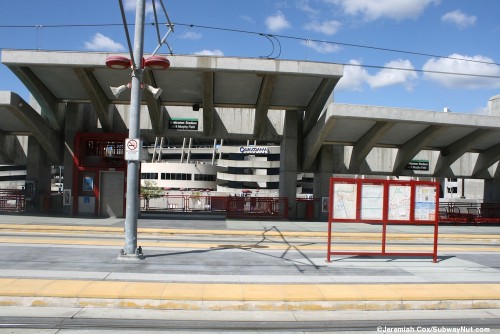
{"x": 211, "y": 264}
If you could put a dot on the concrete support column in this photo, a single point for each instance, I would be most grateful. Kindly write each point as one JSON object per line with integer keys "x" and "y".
{"x": 321, "y": 183}
{"x": 491, "y": 191}
{"x": 189, "y": 150}
{"x": 494, "y": 105}
{"x": 289, "y": 153}
{"x": 38, "y": 169}
{"x": 13, "y": 149}
{"x": 73, "y": 125}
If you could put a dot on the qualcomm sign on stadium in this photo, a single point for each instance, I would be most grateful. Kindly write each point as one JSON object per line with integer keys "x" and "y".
{"x": 254, "y": 149}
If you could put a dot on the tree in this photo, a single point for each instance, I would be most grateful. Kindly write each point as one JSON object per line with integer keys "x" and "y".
{"x": 196, "y": 199}
{"x": 150, "y": 190}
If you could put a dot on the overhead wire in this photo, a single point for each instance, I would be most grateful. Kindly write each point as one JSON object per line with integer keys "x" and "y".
{"x": 276, "y": 37}
{"x": 272, "y": 45}
{"x": 157, "y": 26}
{"x": 338, "y": 43}
{"x": 64, "y": 25}
{"x": 125, "y": 26}
{"x": 425, "y": 71}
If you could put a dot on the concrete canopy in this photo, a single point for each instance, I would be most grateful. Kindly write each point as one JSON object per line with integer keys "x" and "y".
{"x": 364, "y": 128}
{"x": 19, "y": 118}
{"x": 210, "y": 82}
{"x": 263, "y": 84}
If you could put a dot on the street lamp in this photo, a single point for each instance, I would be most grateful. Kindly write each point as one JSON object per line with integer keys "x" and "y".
{"x": 123, "y": 63}
{"x": 118, "y": 62}
{"x": 130, "y": 250}
{"x": 120, "y": 89}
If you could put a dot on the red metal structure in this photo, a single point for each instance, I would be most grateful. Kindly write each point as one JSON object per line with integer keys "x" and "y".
{"x": 95, "y": 153}
{"x": 234, "y": 207}
{"x": 12, "y": 200}
{"x": 257, "y": 207}
{"x": 387, "y": 202}
{"x": 471, "y": 213}
{"x": 309, "y": 205}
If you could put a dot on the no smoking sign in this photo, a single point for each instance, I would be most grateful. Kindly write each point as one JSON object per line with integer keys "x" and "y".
{"x": 133, "y": 149}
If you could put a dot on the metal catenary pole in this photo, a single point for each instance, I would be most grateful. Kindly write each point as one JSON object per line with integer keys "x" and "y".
{"x": 132, "y": 200}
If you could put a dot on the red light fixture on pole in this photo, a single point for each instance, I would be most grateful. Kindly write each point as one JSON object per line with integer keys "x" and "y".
{"x": 157, "y": 63}
{"x": 123, "y": 63}
{"x": 118, "y": 62}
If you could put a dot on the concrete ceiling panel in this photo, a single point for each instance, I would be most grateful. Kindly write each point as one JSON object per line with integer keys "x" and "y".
{"x": 236, "y": 89}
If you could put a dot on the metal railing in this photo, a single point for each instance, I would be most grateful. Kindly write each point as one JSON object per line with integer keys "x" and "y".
{"x": 257, "y": 207}
{"x": 469, "y": 212}
{"x": 12, "y": 200}
{"x": 234, "y": 207}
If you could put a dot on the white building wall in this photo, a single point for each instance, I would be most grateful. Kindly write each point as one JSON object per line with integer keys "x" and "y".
{"x": 180, "y": 168}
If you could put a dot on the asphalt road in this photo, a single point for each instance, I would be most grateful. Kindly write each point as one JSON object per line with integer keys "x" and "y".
{"x": 94, "y": 325}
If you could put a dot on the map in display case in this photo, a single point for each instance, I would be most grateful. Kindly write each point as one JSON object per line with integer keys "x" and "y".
{"x": 344, "y": 201}
{"x": 399, "y": 202}
{"x": 372, "y": 201}
{"x": 383, "y": 202}
{"x": 425, "y": 203}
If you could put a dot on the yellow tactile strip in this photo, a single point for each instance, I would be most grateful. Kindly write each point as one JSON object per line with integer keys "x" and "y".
{"x": 162, "y": 231}
{"x": 270, "y": 246}
{"x": 10, "y": 287}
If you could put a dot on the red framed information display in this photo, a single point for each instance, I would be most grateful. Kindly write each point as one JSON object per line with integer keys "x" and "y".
{"x": 387, "y": 202}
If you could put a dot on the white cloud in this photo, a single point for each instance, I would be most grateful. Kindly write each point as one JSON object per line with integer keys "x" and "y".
{"x": 103, "y": 43}
{"x": 304, "y": 6}
{"x": 131, "y": 4}
{"x": 391, "y": 75}
{"x": 482, "y": 111}
{"x": 376, "y": 9}
{"x": 459, "y": 19}
{"x": 247, "y": 18}
{"x": 277, "y": 22}
{"x": 205, "y": 52}
{"x": 321, "y": 47}
{"x": 475, "y": 66}
{"x": 326, "y": 27}
{"x": 192, "y": 35}
{"x": 355, "y": 76}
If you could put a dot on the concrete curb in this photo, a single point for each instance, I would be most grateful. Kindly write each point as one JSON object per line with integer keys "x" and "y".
{"x": 270, "y": 297}
{"x": 271, "y": 306}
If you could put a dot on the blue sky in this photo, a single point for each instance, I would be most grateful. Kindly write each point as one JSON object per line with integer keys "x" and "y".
{"x": 458, "y": 36}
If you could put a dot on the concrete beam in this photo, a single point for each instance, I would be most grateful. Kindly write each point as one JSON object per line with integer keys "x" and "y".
{"x": 5, "y": 153}
{"x": 48, "y": 138}
{"x": 41, "y": 93}
{"x": 262, "y": 106}
{"x": 413, "y": 146}
{"x": 315, "y": 138}
{"x": 154, "y": 105}
{"x": 97, "y": 97}
{"x": 317, "y": 103}
{"x": 454, "y": 151}
{"x": 485, "y": 160}
{"x": 289, "y": 161}
{"x": 208, "y": 103}
{"x": 366, "y": 143}
{"x": 13, "y": 148}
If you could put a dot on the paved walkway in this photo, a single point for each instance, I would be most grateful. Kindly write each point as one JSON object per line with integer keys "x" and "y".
{"x": 466, "y": 277}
